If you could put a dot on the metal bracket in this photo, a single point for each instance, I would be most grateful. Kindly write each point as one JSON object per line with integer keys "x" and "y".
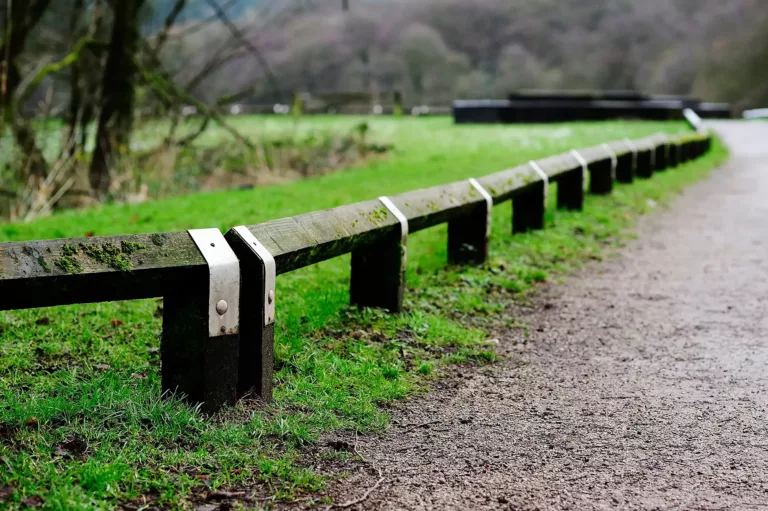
{"x": 584, "y": 165}
{"x": 535, "y": 166}
{"x": 488, "y": 200}
{"x": 633, "y": 148}
{"x": 694, "y": 120}
{"x": 224, "y": 278}
{"x": 614, "y": 160}
{"x": 403, "y": 226}
{"x": 270, "y": 270}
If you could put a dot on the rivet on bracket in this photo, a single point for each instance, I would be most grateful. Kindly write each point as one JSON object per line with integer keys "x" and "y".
{"x": 224, "y": 281}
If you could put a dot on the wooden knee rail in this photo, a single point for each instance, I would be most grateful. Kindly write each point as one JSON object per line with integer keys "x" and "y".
{"x": 218, "y": 326}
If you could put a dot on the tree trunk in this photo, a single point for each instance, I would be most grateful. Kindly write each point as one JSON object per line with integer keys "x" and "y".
{"x": 24, "y": 16}
{"x": 117, "y": 93}
{"x": 69, "y": 140}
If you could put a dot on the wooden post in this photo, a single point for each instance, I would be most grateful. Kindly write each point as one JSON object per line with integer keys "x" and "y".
{"x": 645, "y": 163}
{"x": 529, "y": 207}
{"x": 685, "y": 151}
{"x": 257, "y": 321}
{"x": 601, "y": 178}
{"x": 468, "y": 235}
{"x": 662, "y": 154}
{"x": 603, "y": 173}
{"x": 625, "y": 171}
{"x": 200, "y": 341}
{"x": 378, "y": 270}
{"x": 570, "y": 186}
{"x": 674, "y": 155}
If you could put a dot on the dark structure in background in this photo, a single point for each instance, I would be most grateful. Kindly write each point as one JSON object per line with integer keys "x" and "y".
{"x": 564, "y": 106}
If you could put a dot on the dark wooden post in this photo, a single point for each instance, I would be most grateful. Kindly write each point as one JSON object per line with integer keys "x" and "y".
{"x": 625, "y": 172}
{"x": 529, "y": 206}
{"x": 662, "y": 153}
{"x": 603, "y": 173}
{"x": 570, "y": 186}
{"x": 200, "y": 341}
{"x": 257, "y": 319}
{"x": 674, "y": 154}
{"x": 468, "y": 235}
{"x": 685, "y": 151}
{"x": 378, "y": 270}
{"x": 645, "y": 162}
{"x": 601, "y": 178}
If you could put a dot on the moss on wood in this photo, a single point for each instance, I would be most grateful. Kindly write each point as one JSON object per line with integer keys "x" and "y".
{"x": 69, "y": 264}
{"x": 44, "y": 264}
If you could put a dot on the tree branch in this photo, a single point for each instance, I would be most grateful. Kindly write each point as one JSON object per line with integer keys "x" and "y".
{"x": 169, "y": 88}
{"x": 237, "y": 33}
{"x": 162, "y": 37}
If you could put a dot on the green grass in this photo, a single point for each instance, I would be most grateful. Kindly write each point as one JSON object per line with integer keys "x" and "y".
{"x": 82, "y": 424}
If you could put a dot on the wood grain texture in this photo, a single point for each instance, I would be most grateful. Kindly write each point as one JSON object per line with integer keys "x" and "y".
{"x": 304, "y": 240}
{"x": 436, "y": 205}
{"x": 84, "y": 270}
{"x": 509, "y": 183}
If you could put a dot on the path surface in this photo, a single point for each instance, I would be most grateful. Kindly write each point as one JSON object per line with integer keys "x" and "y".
{"x": 644, "y": 383}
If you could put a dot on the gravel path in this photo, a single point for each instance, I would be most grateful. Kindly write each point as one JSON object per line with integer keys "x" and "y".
{"x": 644, "y": 383}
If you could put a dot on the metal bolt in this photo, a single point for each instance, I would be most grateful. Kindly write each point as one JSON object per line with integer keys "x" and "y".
{"x": 222, "y": 307}
{"x": 213, "y": 244}
{"x": 271, "y": 296}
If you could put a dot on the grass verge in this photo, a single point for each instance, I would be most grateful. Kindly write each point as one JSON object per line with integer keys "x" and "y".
{"x": 82, "y": 425}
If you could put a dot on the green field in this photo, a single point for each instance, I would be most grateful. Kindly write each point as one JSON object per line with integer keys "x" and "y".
{"x": 82, "y": 425}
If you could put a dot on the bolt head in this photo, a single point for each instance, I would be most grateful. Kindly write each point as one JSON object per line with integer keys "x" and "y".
{"x": 222, "y": 307}
{"x": 271, "y": 296}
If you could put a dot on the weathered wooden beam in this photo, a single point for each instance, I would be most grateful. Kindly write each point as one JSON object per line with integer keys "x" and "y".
{"x": 509, "y": 183}
{"x": 169, "y": 265}
{"x": 86, "y": 270}
{"x": 436, "y": 205}
{"x": 303, "y": 240}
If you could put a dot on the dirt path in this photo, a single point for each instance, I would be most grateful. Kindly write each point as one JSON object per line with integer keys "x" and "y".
{"x": 644, "y": 383}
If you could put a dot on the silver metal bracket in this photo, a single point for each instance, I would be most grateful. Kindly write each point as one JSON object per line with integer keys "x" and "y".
{"x": 543, "y": 175}
{"x": 488, "y": 200}
{"x": 694, "y": 120}
{"x": 224, "y": 281}
{"x": 584, "y": 165}
{"x": 403, "y": 226}
{"x": 270, "y": 271}
{"x": 614, "y": 160}
{"x": 633, "y": 149}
